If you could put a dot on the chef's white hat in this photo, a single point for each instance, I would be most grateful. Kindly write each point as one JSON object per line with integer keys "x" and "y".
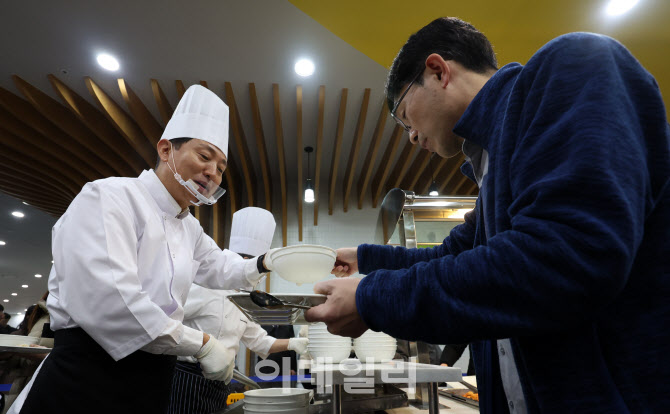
{"x": 200, "y": 114}
{"x": 252, "y": 230}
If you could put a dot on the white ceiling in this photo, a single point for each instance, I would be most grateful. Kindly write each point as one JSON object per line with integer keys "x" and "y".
{"x": 216, "y": 41}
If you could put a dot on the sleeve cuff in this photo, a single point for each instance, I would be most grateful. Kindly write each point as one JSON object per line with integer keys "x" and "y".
{"x": 191, "y": 342}
{"x": 363, "y": 302}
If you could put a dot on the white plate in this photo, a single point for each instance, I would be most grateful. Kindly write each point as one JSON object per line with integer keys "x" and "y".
{"x": 284, "y": 316}
{"x": 24, "y": 349}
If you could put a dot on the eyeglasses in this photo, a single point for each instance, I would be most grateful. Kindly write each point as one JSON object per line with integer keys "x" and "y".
{"x": 397, "y": 103}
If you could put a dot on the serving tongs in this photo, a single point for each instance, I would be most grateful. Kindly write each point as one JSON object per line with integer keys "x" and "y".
{"x": 266, "y": 300}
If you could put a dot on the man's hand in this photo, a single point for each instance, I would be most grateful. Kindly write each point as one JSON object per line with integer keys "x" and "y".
{"x": 217, "y": 361}
{"x": 346, "y": 263}
{"x": 339, "y": 312}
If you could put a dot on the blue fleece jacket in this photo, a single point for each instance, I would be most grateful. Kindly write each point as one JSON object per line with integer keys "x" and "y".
{"x": 568, "y": 249}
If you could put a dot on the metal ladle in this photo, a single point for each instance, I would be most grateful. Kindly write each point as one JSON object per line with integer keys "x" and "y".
{"x": 266, "y": 300}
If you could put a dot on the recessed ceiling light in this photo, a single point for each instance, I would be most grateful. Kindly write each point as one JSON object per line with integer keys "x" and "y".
{"x": 24, "y": 286}
{"x": 38, "y": 276}
{"x": 14, "y": 294}
{"x": 619, "y": 7}
{"x": 2, "y": 243}
{"x": 108, "y": 62}
{"x": 52, "y": 262}
{"x": 6, "y": 300}
{"x": 18, "y": 214}
{"x": 304, "y": 67}
{"x": 25, "y": 310}
{"x": 26, "y": 203}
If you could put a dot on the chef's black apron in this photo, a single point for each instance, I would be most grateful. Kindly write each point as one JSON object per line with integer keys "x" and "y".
{"x": 79, "y": 376}
{"x": 192, "y": 393}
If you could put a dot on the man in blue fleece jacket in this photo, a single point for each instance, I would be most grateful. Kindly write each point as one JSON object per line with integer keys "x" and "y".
{"x": 560, "y": 276}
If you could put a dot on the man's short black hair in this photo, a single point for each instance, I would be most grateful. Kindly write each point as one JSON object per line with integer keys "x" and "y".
{"x": 451, "y": 38}
{"x": 8, "y": 316}
{"x": 176, "y": 143}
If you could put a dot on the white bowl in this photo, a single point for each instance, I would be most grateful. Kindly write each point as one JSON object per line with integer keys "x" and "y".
{"x": 332, "y": 354}
{"x": 298, "y": 397}
{"x": 374, "y": 355}
{"x": 304, "y": 263}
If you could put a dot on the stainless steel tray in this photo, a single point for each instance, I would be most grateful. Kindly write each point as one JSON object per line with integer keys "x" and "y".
{"x": 284, "y": 316}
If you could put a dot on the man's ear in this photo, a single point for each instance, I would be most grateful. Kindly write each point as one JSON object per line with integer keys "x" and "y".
{"x": 438, "y": 67}
{"x": 163, "y": 147}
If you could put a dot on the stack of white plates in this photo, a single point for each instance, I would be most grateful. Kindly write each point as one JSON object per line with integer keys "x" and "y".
{"x": 277, "y": 400}
{"x": 375, "y": 347}
{"x": 18, "y": 340}
{"x": 326, "y": 347}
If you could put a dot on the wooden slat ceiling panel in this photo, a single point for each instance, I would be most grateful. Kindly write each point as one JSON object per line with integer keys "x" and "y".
{"x": 355, "y": 148}
{"x": 319, "y": 151}
{"x": 74, "y": 142}
{"x": 379, "y": 181}
{"x": 337, "y": 147}
{"x": 300, "y": 154}
{"x": 89, "y": 126}
{"x": 261, "y": 147}
{"x": 126, "y": 126}
{"x": 279, "y": 132}
{"x": 371, "y": 157}
{"x": 241, "y": 146}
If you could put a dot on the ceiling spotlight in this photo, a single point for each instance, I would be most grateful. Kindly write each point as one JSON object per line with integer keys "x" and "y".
{"x": 6, "y": 300}
{"x": 304, "y": 67}
{"x": 38, "y": 276}
{"x": 24, "y": 286}
{"x": 619, "y": 7}
{"x": 2, "y": 243}
{"x": 15, "y": 294}
{"x": 25, "y": 203}
{"x": 18, "y": 214}
{"x": 108, "y": 62}
{"x": 52, "y": 262}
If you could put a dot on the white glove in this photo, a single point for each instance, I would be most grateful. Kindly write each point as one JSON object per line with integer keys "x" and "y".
{"x": 217, "y": 361}
{"x": 267, "y": 261}
{"x": 298, "y": 345}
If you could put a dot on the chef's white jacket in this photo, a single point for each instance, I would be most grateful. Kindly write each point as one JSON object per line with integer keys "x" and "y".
{"x": 210, "y": 311}
{"x": 125, "y": 257}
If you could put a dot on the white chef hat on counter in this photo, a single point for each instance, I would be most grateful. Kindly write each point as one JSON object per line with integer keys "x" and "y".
{"x": 252, "y": 231}
{"x": 200, "y": 114}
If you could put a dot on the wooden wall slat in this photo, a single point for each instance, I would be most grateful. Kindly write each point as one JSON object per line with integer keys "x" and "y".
{"x": 300, "y": 155}
{"x": 85, "y": 123}
{"x": 48, "y": 193}
{"x": 241, "y": 145}
{"x": 423, "y": 185}
{"x": 181, "y": 89}
{"x": 282, "y": 161}
{"x": 355, "y": 149}
{"x": 261, "y": 148}
{"x": 379, "y": 181}
{"x": 452, "y": 172}
{"x": 164, "y": 107}
{"x": 123, "y": 123}
{"x": 337, "y": 147}
{"x": 459, "y": 188}
{"x": 402, "y": 166}
{"x": 319, "y": 151}
{"x": 371, "y": 157}
{"x": 147, "y": 123}
{"x": 416, "y": 170}
{"x": 41, "y": 143}
{"x": 30, "y": 164}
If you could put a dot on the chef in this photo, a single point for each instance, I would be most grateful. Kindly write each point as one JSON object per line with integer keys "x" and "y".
{"x": 126, "y": 252}
{"x": 208, "y": 310}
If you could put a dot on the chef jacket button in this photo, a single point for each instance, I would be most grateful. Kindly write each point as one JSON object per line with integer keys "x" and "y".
{"x": 502, "y": 351}
{"x": 173, "y": 255}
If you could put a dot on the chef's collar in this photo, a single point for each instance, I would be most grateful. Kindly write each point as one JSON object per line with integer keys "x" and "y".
{"x": 476, "y": 124}
{"x": 163, "y": 198}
